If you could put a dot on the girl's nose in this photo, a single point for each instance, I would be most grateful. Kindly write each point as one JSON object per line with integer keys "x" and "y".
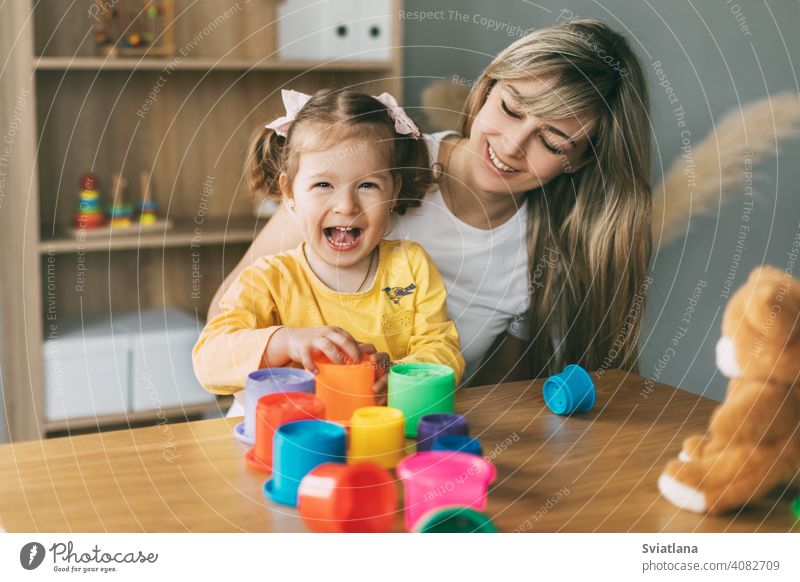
{"x": 345, "y": 202}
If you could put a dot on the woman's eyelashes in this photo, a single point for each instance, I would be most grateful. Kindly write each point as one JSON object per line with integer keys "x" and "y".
{"x": 549, "y": 147}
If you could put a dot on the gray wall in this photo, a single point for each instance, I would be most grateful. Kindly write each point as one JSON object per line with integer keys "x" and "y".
{"x": 714, "y": 65}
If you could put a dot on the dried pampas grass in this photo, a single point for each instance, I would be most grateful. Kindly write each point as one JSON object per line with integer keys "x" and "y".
{"x": 711, "y": 173}
{"x": 443, "y": 102}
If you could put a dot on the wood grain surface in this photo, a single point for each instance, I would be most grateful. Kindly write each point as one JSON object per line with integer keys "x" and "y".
{"x": 594, "y": 472}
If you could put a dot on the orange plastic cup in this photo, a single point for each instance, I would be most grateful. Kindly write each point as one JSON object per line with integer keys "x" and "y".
{"x": 340, "y": 498}
{"x": 273, "y": 411}
{"x": 344, "y": 388}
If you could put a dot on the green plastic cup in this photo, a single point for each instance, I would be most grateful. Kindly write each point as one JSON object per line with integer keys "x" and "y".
{"x": 455, "y": 520}
{"x": 418, "y": 389}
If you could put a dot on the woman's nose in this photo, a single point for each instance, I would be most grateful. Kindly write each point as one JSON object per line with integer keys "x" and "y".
{"x": 516, "y": 139}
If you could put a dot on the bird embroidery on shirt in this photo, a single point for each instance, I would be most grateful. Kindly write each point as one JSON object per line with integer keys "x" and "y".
{"x": 397, "y": 293}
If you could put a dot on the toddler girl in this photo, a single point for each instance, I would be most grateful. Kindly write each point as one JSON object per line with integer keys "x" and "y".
{"x": 342, "y": 162}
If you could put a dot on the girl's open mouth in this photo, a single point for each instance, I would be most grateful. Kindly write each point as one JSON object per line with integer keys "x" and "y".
{"x": 342, "y": 238}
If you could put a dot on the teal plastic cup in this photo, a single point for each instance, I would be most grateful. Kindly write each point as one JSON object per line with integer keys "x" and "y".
{"x": 455, "y": 519}
{"x": 570, "y": 391}
{"x": 418, "y": 389}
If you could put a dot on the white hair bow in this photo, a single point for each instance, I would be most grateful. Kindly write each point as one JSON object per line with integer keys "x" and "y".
{"x": 294, "y": 101}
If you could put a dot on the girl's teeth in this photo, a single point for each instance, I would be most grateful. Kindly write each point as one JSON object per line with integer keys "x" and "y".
{"x": 497, "y": 163}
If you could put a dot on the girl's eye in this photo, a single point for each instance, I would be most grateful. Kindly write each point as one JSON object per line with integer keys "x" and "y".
{"x": 549, "y": 148}
{"x": 368, "y": 185}
{"x": 508, "y": 111}
{"x": 322, "y": 185}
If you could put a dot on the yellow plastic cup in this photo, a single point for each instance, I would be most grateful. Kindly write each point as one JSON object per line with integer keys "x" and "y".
{"x": 377, "y": 434}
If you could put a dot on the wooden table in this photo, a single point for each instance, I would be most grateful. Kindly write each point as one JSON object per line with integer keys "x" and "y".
{"x": 595, "y": 472}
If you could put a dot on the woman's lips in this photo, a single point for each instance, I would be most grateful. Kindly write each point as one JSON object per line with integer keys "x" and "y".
{"x": 487, "y": 156}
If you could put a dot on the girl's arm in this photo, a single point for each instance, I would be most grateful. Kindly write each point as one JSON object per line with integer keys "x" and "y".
{"x": 435, "y": 338}
{"x": 233, "y": 343}
{"x": 279, "y": 234}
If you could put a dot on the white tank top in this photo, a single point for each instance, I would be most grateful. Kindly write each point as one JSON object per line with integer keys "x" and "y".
{"x": 485, "y": 271}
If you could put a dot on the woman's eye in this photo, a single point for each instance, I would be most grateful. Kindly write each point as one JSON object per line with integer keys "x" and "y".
{"x": 549, "y": 148}
{"x": 508, "y": 111}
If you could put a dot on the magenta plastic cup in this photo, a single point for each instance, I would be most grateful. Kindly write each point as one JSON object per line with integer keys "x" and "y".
{"x": 443, "y": 478}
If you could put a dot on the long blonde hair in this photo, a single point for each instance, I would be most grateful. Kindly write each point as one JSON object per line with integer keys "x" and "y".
{"x": 592, "y": 227}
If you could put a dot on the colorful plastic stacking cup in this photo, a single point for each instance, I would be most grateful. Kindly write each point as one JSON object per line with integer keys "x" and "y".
{"x": 457, "y": 442}
{"x": 272, "y": 412}
{"x": 455, "y": 520}
{"x": 432, "y": 426}
{"x": 570, "y": 391}
{"x": 796, "y": 507}
{"x": 348, "y": 498}
{"x": 377, "y": 434}
{"x": 344, "y": 388}
{"x": 299, "y": 447}
{"x": 418, "y": 389}
{"x": 268, "y": 381}
{"x": 442, "y": 478}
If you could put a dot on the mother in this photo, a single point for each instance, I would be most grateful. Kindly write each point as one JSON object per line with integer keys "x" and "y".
{"x": 540, "y": 223}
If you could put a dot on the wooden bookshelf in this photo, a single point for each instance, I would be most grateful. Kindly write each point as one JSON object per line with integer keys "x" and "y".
{"x": 187, "y": 120}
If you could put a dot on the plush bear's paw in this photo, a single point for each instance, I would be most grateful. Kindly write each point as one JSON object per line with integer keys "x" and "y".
{"x": 681, "y": 495}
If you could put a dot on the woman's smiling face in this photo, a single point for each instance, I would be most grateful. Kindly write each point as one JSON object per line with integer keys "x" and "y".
{"x": 516, "y": 152}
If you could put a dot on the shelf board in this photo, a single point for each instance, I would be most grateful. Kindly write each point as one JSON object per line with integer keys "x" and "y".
{"x": 182, "y": 234}
{"x": 200, "y": 64}
{"x": 88, "y": 422}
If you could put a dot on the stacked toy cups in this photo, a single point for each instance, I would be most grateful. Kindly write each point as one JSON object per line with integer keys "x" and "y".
{"x": 438, "y": 479}
{"x": 417, "y": 389}
{"x": 359, "y": 497}
{"x": 272, "y": 412}
{"x": 269, "y": 381}
{"x": 299, "y": 447}
{"x": 377, "y": 434}
{"x": 344, "y": 388}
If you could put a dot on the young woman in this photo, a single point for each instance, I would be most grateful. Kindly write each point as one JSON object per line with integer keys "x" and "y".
{"x": 540, "y": 221}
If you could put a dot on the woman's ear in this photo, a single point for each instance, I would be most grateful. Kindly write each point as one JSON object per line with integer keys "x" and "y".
{"x": 285, "y": 185}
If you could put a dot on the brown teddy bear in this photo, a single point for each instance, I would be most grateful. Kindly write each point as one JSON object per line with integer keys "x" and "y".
{"x": 753, "y": 440}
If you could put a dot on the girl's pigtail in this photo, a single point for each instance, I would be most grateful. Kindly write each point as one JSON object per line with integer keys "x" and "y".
{"x": 413, "y": 161}
{"x": 265, "y": 163}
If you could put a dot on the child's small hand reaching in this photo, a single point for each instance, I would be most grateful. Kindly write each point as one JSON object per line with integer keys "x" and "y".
{"x": 301, "y": 343}
{"x": 382, "y": 364}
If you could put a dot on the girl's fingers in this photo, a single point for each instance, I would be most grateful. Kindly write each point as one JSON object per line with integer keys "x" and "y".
{"x": 367, "y": 349}
{"x": 326, "y": 345}
{"x": 345, "y": 342}
{"x": 379, "y": 388}
{"x": 307, "y": 360}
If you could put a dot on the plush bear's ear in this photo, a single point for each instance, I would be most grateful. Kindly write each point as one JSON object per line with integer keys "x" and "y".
{"x": 773, "y": 306}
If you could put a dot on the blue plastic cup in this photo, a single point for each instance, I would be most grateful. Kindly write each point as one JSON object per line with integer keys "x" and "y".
{"x": 570, "y": 391}
{"x": 432, "y": 426}
{"x": 458, "y": 442}
{"x": 298, "y": 447}
{"x": 269, "y": 381}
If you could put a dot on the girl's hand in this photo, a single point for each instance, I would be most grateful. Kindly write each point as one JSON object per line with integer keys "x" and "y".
{"x": 301, "y": 343}
{"x": 382, "y": 364}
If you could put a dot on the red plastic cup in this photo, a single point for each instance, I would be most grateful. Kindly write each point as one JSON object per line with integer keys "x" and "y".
{"x": 344, "y": 388}
{"x": 340, "y": 498}
{"x": 273, "y": 411}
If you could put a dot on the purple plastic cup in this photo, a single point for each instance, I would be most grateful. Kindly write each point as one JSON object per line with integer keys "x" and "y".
{"x": 438, "y": 424}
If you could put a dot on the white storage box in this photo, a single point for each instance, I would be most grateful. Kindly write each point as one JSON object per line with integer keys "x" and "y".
{"x": 86, "y": 369}
{"x": 358, "y": 30}
{"x": 161, "y": 373}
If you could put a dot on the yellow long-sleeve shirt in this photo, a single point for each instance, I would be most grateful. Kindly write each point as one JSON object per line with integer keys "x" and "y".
{"x": 404, "y": 314}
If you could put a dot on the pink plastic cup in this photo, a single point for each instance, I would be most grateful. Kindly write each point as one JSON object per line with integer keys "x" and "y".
{"x": 441, "y": 478}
